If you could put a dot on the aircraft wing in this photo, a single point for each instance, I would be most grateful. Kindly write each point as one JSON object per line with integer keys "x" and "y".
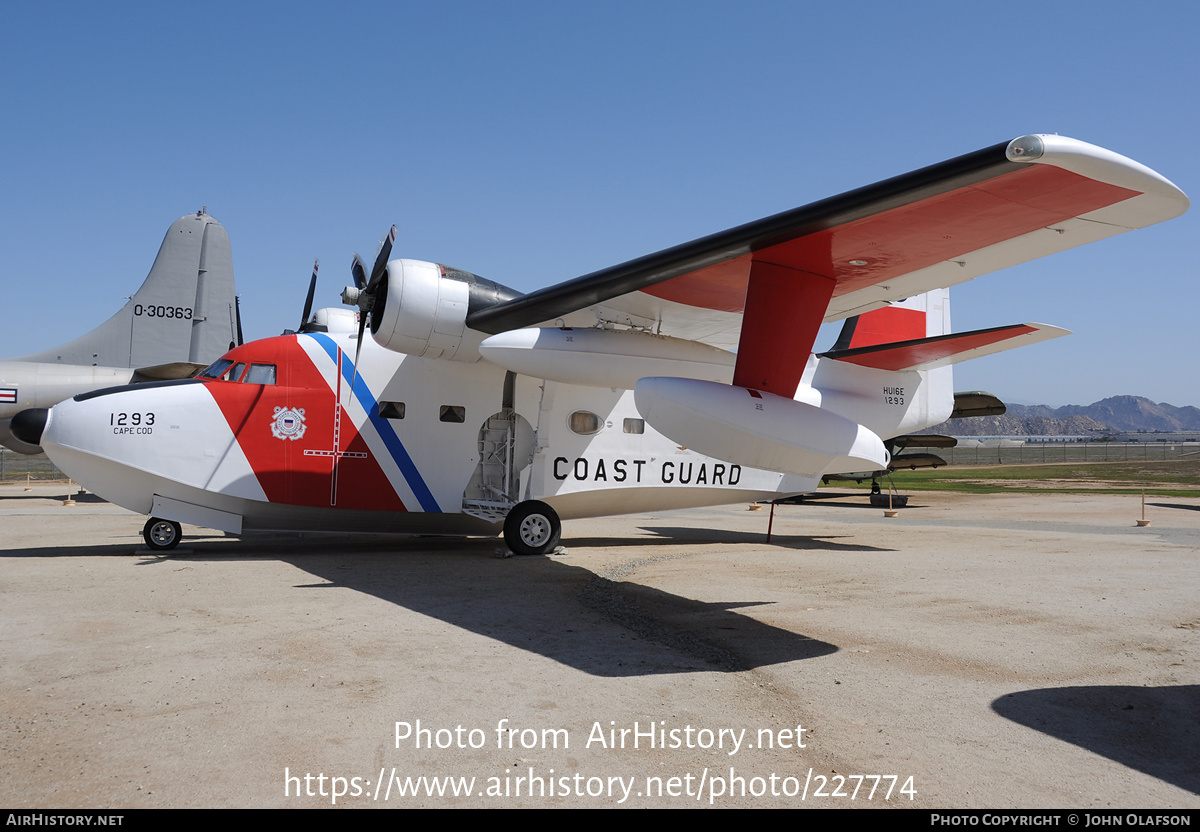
{"x": 765, "y": 287}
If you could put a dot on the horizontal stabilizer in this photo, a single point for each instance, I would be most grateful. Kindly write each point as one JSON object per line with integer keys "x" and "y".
{"x": 941, "y": 350}
{"x": 167, "y": 372}
{"x": 977, "y": 403}
{"x": 915, "y": 461}
{"x": 922, "y": 440}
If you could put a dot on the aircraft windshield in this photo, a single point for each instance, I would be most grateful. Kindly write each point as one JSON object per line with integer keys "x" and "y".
{"x": 216, "y": 369}
{"x": 227, "y": 370}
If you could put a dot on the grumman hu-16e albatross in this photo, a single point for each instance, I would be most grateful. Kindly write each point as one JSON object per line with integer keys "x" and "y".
{"x": 684, "y": 378}
{"x": 183, "y": 316}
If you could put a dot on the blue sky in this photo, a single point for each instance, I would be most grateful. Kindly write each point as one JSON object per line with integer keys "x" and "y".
{"x": 535, "y": 142}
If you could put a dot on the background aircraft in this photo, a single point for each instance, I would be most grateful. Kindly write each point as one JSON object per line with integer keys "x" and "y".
{"x": 184, "y": 315}
{"x": 475, "y": 407}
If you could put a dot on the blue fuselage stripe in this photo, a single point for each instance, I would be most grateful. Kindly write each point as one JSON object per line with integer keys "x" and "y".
{"x": 382, "y": 426}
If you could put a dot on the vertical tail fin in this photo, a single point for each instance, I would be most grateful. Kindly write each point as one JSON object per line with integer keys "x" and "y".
{"x": 185, "y": 311}
{"x": 921, "y": 316}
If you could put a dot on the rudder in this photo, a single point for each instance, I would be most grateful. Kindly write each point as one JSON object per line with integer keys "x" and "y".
{"x": 921, "y": 316}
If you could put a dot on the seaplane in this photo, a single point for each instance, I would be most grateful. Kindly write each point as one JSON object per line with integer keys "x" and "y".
{"x": 683, "y": 378}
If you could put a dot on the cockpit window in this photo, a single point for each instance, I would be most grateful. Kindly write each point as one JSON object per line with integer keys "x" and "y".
{"x": 261, "y": 374}
{"x": 216, "y": 369}
{"x": 226, "y": 370}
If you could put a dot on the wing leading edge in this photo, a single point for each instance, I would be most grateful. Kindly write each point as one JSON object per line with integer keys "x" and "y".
{"x": 765, "y": 287}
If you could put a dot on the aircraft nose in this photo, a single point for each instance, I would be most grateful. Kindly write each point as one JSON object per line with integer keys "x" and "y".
{"x": 29, "y": 424}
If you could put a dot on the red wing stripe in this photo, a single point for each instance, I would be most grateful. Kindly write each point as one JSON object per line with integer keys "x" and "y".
{"x": 899, "y": 241}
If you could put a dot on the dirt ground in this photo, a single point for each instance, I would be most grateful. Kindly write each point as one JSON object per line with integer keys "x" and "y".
{"x": 977, "y": 651}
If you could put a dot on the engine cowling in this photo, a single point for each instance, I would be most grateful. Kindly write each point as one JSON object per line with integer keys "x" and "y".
{"x": 421, "y": 309}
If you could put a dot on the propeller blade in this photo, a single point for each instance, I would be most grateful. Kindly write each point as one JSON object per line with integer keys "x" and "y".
{"x": 366, "y": 287}
{"x": 359, "y": 273}
{"x": 312, "y": 288}
{"x": 362, "y": 328}
{"x": 237, "y": 309}
{"x": 381, "y": 260}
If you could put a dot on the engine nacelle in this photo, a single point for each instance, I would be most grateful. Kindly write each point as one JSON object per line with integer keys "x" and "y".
{"x": 421, "y": 309}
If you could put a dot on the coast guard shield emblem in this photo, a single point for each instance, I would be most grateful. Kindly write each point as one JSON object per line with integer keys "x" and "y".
{"x": 289, "y": 423}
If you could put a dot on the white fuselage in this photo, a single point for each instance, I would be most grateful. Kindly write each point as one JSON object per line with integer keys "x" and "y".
{"x": 422, "y": 445}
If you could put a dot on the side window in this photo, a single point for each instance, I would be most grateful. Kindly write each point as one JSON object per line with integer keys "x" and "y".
{"x": 453, "y": 413}
{"x": 584, "y": 422}
{"x": 235, "y": 373}
{"x": 261, "y": 374}
{"x": 635, "y": 426}
{"x": 391, "y": 410}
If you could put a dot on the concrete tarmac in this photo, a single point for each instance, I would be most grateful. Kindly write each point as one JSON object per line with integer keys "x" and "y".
{"x": 975, "y": 652}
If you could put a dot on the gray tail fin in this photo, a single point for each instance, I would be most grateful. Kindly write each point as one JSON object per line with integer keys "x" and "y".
{"x": 184, "y": 313}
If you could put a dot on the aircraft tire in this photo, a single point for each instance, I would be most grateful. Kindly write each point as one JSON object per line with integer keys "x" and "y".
{"x": 161, "y": 535}
{"x": 532, "y": 528}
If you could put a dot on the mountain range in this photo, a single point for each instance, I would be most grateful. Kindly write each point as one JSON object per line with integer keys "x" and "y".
{"x": 1116, "y": 414}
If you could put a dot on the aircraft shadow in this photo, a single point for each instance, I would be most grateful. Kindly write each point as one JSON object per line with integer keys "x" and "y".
{"x": 603, "y": 625}
{"x": 854, "y": 501}
{"x": 79, "y": 497}
{"x": 1175, "y": 505}
{"x": 1155, "y": 730}
{"x": 599, "y": 625}
{"x": 685, "y": 534}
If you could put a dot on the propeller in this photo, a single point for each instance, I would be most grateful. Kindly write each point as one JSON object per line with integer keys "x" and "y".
{"x": 308, "y": 302}
{"x": 362, "y": 293}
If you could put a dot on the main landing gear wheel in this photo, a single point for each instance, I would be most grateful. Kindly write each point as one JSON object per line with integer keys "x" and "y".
{"x": 532, "y": 528}
{"x": 161, "y": 535}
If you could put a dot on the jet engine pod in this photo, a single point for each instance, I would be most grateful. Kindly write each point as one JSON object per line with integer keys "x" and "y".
{"x": 604, "y": 357}
{"x": 757, "y": 429}
{"x": 419, "y": 311}
{"x": 28, "y": 425}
